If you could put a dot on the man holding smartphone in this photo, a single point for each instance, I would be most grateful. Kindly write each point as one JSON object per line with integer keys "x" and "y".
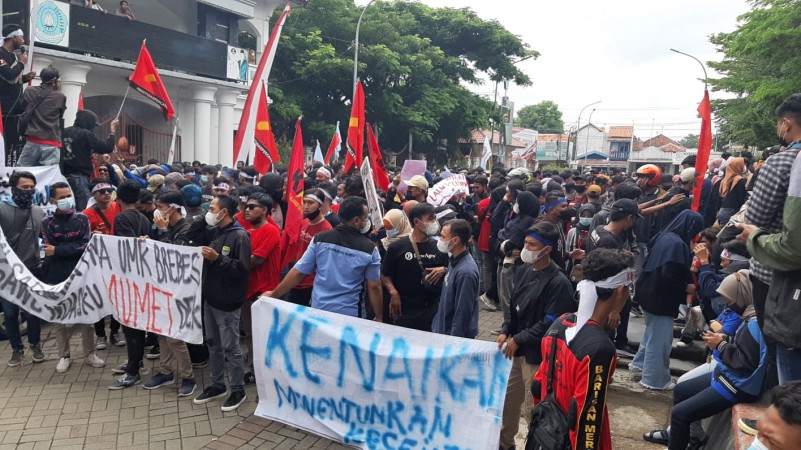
{"x": 13, "y": 58}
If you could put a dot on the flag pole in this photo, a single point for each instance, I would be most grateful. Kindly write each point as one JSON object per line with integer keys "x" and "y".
{"x": 123, "y": 101}
{"x": 171, "y": 155}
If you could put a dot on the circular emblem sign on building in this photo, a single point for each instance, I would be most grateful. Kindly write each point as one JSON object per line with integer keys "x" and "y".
{"x": 52, "y": 21}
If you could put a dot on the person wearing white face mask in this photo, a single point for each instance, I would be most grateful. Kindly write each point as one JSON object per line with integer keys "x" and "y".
{"x": 540, "y": 293}
{"x": 343, "y": 260}
{"x": 225, "y": 246}
{"x": 412, "y": 270}
{"x": 65, "y": 235}
{"x": 458, "y": 304}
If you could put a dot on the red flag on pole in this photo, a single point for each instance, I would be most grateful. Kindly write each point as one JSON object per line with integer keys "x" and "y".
{"x": 380, "y": 177}
{"x": 145, "y": 79}
{"x": 704, "y": 148}
{"x": 356, "y": 130}
{"x": 335, "y": 147}
{"x": 80, "y": 102}
{"x": 266, "y": 150}
{"x": 244, "y": 133}
{"x": 294, "y": 198}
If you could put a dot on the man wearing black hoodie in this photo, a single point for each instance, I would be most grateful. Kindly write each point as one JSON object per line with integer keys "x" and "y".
{"x": 78, "y": 144}
{"x": 226, "y": 249}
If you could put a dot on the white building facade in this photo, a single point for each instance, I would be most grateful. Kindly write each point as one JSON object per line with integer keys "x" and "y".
{"x": 194, "y": 43}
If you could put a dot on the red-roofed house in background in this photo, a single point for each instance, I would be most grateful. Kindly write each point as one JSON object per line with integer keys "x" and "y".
{"x": 619, "y": 141}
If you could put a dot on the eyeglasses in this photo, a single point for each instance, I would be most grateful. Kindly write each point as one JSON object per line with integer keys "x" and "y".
{"x": 102, "y": 170}
{"x": 105, "y": 191}
{"x": 251, "y": 206}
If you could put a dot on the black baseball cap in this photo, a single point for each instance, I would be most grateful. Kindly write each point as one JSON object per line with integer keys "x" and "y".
{"x": 624, "y": 207}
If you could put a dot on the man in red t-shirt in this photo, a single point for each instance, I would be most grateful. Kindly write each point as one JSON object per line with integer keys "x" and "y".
{"x": 101, "y": 215}
{"x": 265, "y": 263}
{"x": 101, "y": 221}
{"x": 314, "y": 222}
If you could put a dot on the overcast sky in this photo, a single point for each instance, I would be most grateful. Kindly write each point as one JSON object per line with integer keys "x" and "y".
{"x": 616, "y": 51}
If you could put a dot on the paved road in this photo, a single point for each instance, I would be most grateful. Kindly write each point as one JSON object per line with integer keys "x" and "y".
{"x": 41, "y": 409}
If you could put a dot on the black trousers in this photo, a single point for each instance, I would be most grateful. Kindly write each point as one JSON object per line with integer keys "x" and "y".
{"x": 100, "y": 326}
{"x": 135, "y": 344}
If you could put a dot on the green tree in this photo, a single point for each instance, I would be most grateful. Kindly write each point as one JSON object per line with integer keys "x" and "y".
{"x": 544, "y": 117}
{"x": 414, "y": 62}
{"x": 690, "y": 141}
{"x": 760, "y": 66}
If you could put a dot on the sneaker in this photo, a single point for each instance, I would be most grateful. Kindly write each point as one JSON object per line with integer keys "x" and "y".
{"x": 153, "y": 353}
{"x": 63, "y": 365}
{"x": 125, "y": 381}
{"x": 636, "y": 310}
{"x": 119, "y": 370}
{"x": 36, "y": 353}
{"x": 94, "y": 361}
{"x": 489, "y": 305}
{"x": 234, "y": 401}
{"x": 16, "y": 358}
{"x": 626, "y": 351}
{"x": 495, "y": 332}
{"x": 209, "y": 394}
{"x": 100, "y": 343}
{"x": 187, "y": 387}
{"x": 748, "y": 426}
{"x": 200, "y": 365}
{"x": 159, "y": 380}
{"x": 684, "y": 342}
{"x": 250, "y": 378}
{"x": 669, "y": 387}
{"x": 117, "y": 340}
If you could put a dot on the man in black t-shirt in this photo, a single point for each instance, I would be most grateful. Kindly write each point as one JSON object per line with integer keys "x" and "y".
{"x": 623, "y": 215}
{"x": 413, "y": 302}
{"x": 129, "y": 222}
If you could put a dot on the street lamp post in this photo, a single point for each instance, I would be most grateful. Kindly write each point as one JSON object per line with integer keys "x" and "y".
{"x": 578, "y": 127}
{"x": 356, "y": 45}
{"x": 706, "y": 78}
{"x": 587, "y": 141}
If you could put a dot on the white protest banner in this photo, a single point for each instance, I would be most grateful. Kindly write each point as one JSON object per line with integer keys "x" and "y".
{"x": 45, "y": 176}
{"x": 411, "y": 167}
{"x": 375, "y": 386}
{"x": 373, "y": 204}
{"x": 144, "y": 284}
{"x": 447, "y": 188}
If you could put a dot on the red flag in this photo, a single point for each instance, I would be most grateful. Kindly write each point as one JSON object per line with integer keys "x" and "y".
{"x": 704, "y": 148}
{"x": 266, "y": 150}
{"x": 145, "y": 79}
{"x": 243, "y": 133}
{"x": 80, "y": 102}
{"x": 294, "y": 198}
{"x": 336, "y": 145}
{"x": 356, "y": 130}
{"x": 380, "y": 177}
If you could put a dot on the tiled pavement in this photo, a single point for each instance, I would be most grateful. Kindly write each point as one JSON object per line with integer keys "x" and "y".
{"x": 42, "y": 409}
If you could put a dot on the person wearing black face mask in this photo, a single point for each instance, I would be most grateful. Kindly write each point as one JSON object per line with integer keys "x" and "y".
{"x": 20, "y": 218}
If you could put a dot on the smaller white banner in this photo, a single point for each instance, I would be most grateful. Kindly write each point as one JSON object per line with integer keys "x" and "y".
{"x": 447, "y": 188}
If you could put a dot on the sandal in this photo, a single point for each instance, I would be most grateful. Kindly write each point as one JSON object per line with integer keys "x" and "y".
{"x": 657, "y": 437}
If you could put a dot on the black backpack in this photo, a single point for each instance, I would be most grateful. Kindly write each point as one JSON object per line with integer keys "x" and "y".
{"x": 550, "y": 424}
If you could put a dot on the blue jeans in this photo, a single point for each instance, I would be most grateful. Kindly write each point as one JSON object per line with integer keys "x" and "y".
{"x": 724, "y": 214}
{"x": 653, "y": 357}
{"x": 80, "y": 190}
{"x": 222, "y": 338}
{"x": 788, "y": 362}
{"x": 34, "y": 154}
{"x": 11, "y": 317}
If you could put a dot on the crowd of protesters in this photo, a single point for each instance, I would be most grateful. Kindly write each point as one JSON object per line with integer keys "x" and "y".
{"x": 567, "y": 257}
